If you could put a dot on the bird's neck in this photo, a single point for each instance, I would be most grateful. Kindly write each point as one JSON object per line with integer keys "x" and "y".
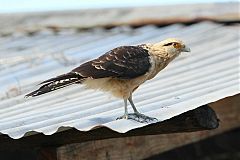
{"x": 159, "y": 53}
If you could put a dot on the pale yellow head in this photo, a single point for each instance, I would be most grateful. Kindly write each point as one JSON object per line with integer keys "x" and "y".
{"x": 171, "y": 46}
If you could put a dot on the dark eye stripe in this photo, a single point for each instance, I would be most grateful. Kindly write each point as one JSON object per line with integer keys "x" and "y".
{"x": 168, "y": 44}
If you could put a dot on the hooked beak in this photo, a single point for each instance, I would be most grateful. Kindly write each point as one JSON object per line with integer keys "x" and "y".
{"x": 186, "y": 49}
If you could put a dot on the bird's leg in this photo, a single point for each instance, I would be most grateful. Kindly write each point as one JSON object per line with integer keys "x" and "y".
{"x": 137, "y": 116}
{"x": 125, "y": 116}
{"x": 132, "y": 104}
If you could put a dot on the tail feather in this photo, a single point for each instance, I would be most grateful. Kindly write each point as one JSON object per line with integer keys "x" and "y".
{"x": 57, "y": 83}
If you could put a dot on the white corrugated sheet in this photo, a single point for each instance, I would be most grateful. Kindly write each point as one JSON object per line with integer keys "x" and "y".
{"x": 209, "y": 73}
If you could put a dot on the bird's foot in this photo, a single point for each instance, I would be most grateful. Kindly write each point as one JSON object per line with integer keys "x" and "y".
{"x": 138, "y": 117}
{"x": 125, "y": 116}
{"x": 141, "y": 117}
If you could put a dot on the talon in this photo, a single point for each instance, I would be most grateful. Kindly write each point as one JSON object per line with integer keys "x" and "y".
{"x": 123, "y": 117}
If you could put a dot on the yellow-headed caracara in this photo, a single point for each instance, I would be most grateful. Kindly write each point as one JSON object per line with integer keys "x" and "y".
{"x": 120, "y": 71}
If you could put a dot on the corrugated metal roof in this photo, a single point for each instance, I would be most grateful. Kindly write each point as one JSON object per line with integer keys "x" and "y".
{"x": 207, "y": 74}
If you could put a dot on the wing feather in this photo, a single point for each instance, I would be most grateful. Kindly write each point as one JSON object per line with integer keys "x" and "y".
{"x": 123, "y": 62}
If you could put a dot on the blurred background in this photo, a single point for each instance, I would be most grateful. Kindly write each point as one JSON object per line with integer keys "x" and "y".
{"x": 13, "y": 6}
{"x": 41, "y": 39}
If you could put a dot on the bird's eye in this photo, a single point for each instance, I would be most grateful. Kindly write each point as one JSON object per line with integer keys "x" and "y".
{"x": 168, "y": 44}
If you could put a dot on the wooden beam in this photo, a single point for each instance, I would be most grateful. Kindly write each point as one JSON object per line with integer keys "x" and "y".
{"x": 47, "y": 153}
{"x": 202, "y": 118}
{"x": 217, "y": 147}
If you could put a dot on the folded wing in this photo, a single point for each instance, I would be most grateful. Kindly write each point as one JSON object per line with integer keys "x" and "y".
{"x": 124, "y": 62}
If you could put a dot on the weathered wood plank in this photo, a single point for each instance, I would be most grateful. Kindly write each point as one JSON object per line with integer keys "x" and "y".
{"x": 47, "y": 153}
{"x": 202, "y": 118}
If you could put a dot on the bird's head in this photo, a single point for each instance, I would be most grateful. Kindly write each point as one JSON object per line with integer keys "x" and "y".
{"x": 172, "y": 46}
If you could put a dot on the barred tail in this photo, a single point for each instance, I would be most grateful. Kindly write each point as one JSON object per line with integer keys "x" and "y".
{"x": 57, "y": 83}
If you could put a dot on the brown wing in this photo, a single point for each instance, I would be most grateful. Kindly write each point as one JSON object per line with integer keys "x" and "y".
{"x": 123, "y": 62}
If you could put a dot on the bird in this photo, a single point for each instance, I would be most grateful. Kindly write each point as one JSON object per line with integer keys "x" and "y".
{"x": 120, "y": 72}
